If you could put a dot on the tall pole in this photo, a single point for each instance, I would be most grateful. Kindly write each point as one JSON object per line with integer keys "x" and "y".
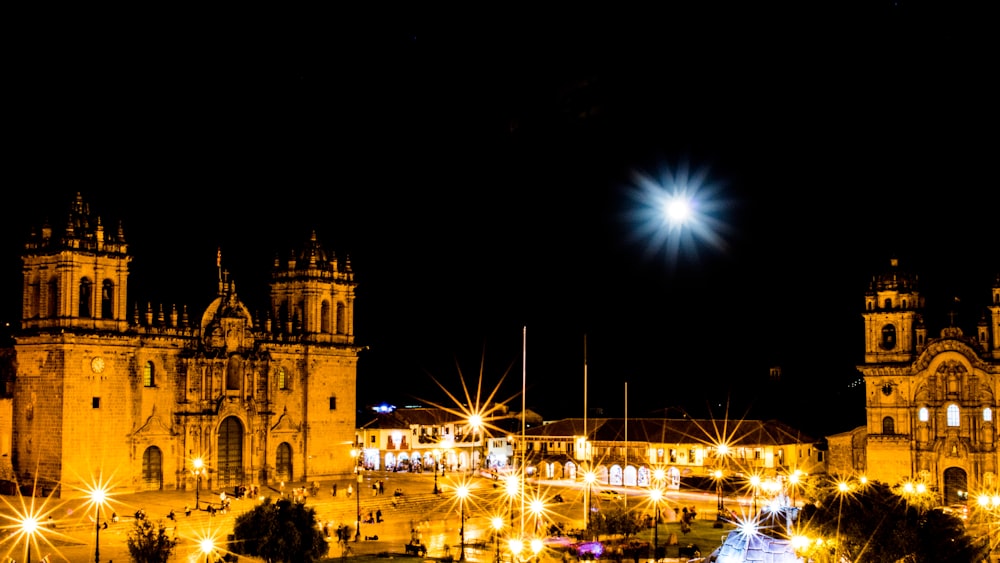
{"x": 357, "y": 493}
{"x": 524, "y": 387}
{"x": 97, "y": 534}
{"x": 461, "y": 531}
{"x": 656, "y": 533}
{"x": 586, "y": 504}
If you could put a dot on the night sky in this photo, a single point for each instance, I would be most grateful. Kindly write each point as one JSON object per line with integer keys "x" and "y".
{"x": 481, "y": 178}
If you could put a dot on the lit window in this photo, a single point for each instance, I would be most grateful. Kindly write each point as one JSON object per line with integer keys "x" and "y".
{"x": 147, "y": 375}
{"x": 953, "y": 415}
{"x": 282, "y": 379}
{"x": 924, "y": 414}
{"x": 987, "y": 414}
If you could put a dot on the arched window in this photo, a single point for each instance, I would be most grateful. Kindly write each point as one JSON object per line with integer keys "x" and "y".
{"x": 324, "y": 318}
{"x": 888, "y": 303}
{"x": 107, "y": 300}
{"x": 888, "y": 425}
{"x": 53, "y": 294}
{"x": 148, "y": 375}
{"x": 86, "y": 293}
{"x": 953, "y": 419}
{"x": 341, "y": 318}
{"x": 923, "y": 414}
{"x": 987, "y": 414}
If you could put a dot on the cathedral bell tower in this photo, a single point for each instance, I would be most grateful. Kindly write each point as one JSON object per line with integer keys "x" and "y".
{"x": 894, "y": 330}
{"x": 76, "y": 279}
{"x": 313, "y": 294}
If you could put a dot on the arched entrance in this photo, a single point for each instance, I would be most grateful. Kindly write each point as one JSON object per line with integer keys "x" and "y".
{"x": 230, "y": 470}
{"x": 956, "y": 486}
{"x": 152, "y": 469}
{"x": 283, "y": 462}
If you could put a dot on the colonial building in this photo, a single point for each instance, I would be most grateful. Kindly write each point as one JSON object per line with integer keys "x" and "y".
{"x": 931, "y": 398}
{"x": 417, "y": 438}
{"x": 100, "y": 386}
{"x": 627, "y": 452}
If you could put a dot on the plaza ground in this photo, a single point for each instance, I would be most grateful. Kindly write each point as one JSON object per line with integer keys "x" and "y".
{"x": 70, "y": 534}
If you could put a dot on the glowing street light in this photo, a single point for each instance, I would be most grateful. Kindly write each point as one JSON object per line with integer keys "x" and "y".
{"x": 97, "y": 496}
{"x": 356, "y": 454}
{"x": 589, "y": 478}
{"x": 462, "y": 491}
{"x": 207, "y": 547}
{"x": 537, "y": 509}
{"x": 476, "y": 424}
{"x": 516, "y": 546}
{"x": 29, "y": 526}
{"x": 512, "y": 489}
{"x": 437, "y": 462}
{"x": 718, "y": 475}
{"x": 656, "y": 495}
{"x": 755, "y": 484}
{"x": 497, "y": 523}
{"x": 793, "y": 479}
{"x": 199, "y": 467}
{"x": 536, "y": 547}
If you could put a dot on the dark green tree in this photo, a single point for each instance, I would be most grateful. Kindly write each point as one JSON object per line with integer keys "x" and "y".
{"x": 874, "y": 523}
{"x": 148, "y": 542}
{"x": 280, "y": 532}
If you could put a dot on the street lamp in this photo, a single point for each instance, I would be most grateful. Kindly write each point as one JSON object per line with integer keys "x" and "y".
{"x": 97, "y": 496}
{"x": 793, "y": 481}
{"x": 199, "y": 466}
{"x": 497, "y": 526}
{"x": 655, "y": 495}
{"x": 29, "y": 525}
{"x": 755, "y": 484}
{"x": 537, "y": 509}
{"x": 462, "y": 491}
{"x": 717, "y": 475}
{"x": 589, "y": 477}
{"x": 513, "y": 486}
{"x": 536, "y": 547}
{"x": 207, "y": 547}
{"x": 356, "y": 454}
{"x": 476, "y": 423}
{"x": 516, "y": 546}
{"x": 437, "y": 462}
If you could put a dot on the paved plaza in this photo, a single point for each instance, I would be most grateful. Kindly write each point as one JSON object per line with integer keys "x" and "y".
{"x": 70, "y": 535}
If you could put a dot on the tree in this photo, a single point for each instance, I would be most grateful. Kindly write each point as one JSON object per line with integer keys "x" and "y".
{"x": 148, "y": 542}
{"x": 875, "y": 524}
{"x": 282, "y": 531}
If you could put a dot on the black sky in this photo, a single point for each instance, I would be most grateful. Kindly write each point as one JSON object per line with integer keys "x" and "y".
{"x": 477, "y": 173}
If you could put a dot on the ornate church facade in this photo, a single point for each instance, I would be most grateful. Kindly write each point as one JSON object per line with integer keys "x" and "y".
{"x": 103, "y": 390}
{"x": 931, "y": 400}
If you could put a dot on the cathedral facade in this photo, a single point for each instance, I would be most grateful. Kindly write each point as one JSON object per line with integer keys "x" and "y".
{"x": 931, "y": 399}
{"x": 102, "y": 389}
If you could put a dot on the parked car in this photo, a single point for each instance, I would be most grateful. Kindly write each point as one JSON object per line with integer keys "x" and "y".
{"x": 610, "y": 494}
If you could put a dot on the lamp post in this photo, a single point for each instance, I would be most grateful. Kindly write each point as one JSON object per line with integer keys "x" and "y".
{"x": 462, "y": 491}
{"x": 497, "y": 526}
{"x": 97, "y": 496}
{"x": 536, "y": 547}
{"x": 515, "y": 545}
{"x": 29, "y": 525}
{"x": 537, "y": 509}
{"x": 755, "y": 484}
{"x": 990, "y": 504}
{"x": 199, "y": 466}
{"x": 793, "y": 481}
{"x": 655, "y": 495}
{"x": 589, "y": 477}
{"x": 437, "y": 462}
{"x": 512, "y": 491}
{"x": 207, "y": 547}
{"x": 360, "y": 478}
{"x": 718, "y": 474}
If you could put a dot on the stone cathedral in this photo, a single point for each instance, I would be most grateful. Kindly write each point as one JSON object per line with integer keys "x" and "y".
{"x": 101, "y": 387}
{"x": 932, "y": 399}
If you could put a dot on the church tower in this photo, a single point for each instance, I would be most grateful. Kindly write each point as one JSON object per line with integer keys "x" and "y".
{"x": 76, "y": 280}
{"x": 893, "y": 322}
